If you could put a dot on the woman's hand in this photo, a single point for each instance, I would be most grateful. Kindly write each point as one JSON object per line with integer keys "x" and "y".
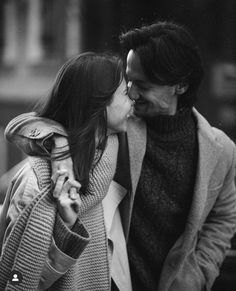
{"x": 67, "y": 204}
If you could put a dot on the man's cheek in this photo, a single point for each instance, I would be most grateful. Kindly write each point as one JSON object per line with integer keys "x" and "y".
{"x": 160, "y": 103}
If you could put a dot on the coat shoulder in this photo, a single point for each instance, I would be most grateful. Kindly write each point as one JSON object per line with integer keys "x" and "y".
{"x": 24, "y": 186}
{"x": 227, "y": 144}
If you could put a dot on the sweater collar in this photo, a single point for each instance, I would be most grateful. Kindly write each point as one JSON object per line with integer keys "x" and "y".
{"x": 171, "y": 127}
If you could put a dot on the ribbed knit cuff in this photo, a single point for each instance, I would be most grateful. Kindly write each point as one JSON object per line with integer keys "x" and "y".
{"x": 70, "y": 241}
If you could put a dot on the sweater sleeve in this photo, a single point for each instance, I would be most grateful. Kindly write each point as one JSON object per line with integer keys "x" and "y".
{"x": 70, "y": 241}
{"x": 67, "y": 244}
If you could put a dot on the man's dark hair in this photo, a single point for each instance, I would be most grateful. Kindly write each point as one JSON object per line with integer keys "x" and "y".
{"x": 169, "y": 55}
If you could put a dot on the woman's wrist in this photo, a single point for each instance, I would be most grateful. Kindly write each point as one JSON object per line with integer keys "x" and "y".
{"x": 69, "y": 224}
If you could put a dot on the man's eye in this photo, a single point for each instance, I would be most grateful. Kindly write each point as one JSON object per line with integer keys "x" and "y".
{"x": 141, "y": 88}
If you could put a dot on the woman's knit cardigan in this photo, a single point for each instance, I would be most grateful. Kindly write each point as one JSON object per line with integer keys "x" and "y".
{"x": 27, "y": 245}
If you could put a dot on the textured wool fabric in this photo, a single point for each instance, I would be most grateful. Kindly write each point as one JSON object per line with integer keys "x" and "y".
{"x": 163, "y": 195}
{"x": 32, "y": 228}
{"x": 28, "y": 243}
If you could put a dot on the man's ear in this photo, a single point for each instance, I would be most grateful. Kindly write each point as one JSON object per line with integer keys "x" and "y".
{"x": 181, "y": 88}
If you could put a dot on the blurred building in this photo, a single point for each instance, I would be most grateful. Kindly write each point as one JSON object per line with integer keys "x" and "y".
{"x": 36, "y": 36}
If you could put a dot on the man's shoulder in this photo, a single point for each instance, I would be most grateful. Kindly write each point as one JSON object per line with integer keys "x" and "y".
{"x": 223, "y": 138}
{"x": 228, "y": 153}
{"x": 216, "y": 136}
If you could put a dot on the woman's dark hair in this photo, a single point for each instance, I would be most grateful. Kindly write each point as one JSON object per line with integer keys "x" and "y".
{"x": 168, "y": 55}
{"x": 83, "y": 88}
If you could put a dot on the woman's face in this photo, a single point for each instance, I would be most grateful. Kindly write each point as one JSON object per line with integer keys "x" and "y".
{"x": 119, "y": 110}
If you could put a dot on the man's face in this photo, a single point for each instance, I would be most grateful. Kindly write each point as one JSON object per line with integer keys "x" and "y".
{"x": 151, "y": 99}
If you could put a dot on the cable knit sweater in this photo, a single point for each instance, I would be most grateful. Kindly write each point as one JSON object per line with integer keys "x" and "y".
{"x": 27, "y": 245}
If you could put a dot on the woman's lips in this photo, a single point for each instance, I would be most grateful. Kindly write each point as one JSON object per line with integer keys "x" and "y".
{"x": 131, "y": 112}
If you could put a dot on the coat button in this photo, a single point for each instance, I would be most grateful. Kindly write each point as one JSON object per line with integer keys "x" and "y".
{"x": 34, "y": 132}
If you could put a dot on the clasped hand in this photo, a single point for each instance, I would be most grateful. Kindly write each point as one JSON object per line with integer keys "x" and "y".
{"x": 68, "y": 202}
{"x": 64, "y": 186}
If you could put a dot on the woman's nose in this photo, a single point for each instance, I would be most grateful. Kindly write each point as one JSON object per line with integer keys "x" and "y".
{"x": 132, "y": 92}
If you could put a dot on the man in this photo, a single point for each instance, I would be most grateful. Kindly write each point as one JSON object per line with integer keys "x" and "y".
{"x": 180, "y": 213}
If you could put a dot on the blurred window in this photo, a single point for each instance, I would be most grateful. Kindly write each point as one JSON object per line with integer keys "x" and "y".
{"x": 35, "y": 31}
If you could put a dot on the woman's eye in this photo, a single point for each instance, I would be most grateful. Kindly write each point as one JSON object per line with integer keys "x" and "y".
{"x": 126, "y": 91}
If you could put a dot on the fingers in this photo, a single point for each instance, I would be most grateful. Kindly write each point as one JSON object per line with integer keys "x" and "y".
{"x": 65, "y": 189}
{"x": 68, "y": 200}
{"x": 71, "y": 183}
{"x": 72, "y": 187}
{"x": 57, "y": 174}
{"x": 73, "y": 193}
{"x": 58, "y": 180}
{"x": 60, "y": 165}
{"x": 55, "y": 166}
{"x": 76, "y": 205}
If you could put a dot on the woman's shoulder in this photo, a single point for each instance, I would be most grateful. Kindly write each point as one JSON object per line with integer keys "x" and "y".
{"x": 111, "y": 150}
{"x": 24, "y": 186}
{"x": 17, "y": 198}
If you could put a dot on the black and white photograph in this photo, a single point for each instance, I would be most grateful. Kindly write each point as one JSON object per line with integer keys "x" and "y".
{"x": 117, "y": 145}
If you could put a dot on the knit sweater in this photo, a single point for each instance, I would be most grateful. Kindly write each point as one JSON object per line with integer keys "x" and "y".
{"x": 27, "y": 245}
{"x": 163, "y": 196}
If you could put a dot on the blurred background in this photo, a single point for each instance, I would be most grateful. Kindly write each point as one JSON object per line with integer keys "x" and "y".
{"x": 37, "y": 36}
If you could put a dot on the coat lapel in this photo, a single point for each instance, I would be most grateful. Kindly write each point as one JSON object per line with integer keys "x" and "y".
{"x": 209, "y": 151}
{"x": 137, "y": 147}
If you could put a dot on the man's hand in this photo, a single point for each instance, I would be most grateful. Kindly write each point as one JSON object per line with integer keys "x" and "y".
{"x": 61, "y": 145}
{"x": 67, "y": 206}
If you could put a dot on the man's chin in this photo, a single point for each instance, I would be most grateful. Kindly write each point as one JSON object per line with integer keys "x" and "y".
{"x": 140, "y": 110}
{"x": 136, "y": 112}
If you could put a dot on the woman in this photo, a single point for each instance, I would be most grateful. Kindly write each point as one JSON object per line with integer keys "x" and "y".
{"x": 59, "y": 241}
